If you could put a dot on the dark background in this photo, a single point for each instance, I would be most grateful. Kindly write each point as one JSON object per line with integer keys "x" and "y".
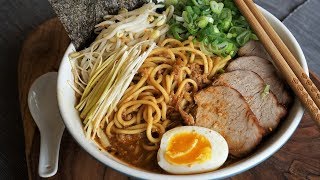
{"x": 20, "y": 17}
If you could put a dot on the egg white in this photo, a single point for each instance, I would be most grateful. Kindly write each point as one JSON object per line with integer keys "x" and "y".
{"x": 219, "y": 151}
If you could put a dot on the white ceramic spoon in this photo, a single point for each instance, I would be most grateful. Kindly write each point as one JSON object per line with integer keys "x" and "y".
{"x": 43, "y": 105}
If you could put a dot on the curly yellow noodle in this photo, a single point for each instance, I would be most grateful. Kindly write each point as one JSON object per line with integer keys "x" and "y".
{"x": 159, "y": 80}
{"x": 210, "y": 63}
{"x": 130, "y": 103}
{"x": 132, "y": 109}
{"x": 148, "y": 64}
{"x": 129, "y": 89}
{"x": 173, "y": 86}
{"x": 136, "y": 93}
{"x": 108, "y": 129}
{"x": 219, "y": 64}
{"x": 117, "y": 123}
{"x": 183, "y": 83}
{"x": 158, "y": 60}
{"x": 160, "y": 128}
{"x": 138, "y": 126}
{"x": 151, "y": 98}
{"x": 183, "y": 57}
{"x": 157, "y": 85}
{"x": 165, "y": 123}
{"x": 134, "y": 89}
{"x": 160, "y": 99}
{"x": 139, "y": 115}
{"x": 144, "y": 105}
{"x": 170, "y": 40}
{"x": 187, "y": 42}
{"x": 129, "y": 122}
{"x": 143, "y": 94}
{"x": 168, "y": 83}
{"x": 205, "y": 61}
{"x": 150, "y": 148}
{"x": 127, "y": 131}
{"x": 181, "y": 76}
{"x": 200, "y": 62}
{"x": 149, "y": 127}
{"x": 192, "y": 54}
{"x": 163, "y": 110}
{"x": 145, "y": 114}
{"x": 162, "y": 50}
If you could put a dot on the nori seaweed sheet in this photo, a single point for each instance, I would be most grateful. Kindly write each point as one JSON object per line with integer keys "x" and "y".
{"x": 80, "y": 16}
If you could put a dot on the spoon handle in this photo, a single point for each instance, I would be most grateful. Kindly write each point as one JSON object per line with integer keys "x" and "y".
{"x": 49, "y": 153}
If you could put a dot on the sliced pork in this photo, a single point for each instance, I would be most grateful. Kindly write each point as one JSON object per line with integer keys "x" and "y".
{"x": 224, "y": 110}
{"x": 267, "y": 72}
{"x": 254, "y": 48}
{"x": 263, "y": 103}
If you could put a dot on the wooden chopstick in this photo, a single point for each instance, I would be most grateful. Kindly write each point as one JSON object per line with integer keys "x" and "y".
{"x": 288, "y": 56}
{"x": 280, "y": 61}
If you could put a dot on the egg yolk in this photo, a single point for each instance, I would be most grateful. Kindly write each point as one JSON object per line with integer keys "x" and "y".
{"x": 188, "y": 148}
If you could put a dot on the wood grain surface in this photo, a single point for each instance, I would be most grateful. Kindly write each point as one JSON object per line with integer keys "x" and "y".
{"x": 42, "y": 51}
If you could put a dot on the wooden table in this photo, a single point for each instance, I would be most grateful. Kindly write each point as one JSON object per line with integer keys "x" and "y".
{"x": 41, "y": 53}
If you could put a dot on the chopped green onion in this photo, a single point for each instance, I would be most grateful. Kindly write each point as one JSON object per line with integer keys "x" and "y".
{"x": 191, "y": 28}
{"x": 216, "y": 7}
{"x": 243, "y": 38}
{"x": 204, "y": 49}
{"x": 220, "y": 71}
{"x": 215, "y": 29}
{"x": 195, "y": 2}
{"x": 236, "y": 30}
{"x": 203, "y": 21}
{"x": 230, "y": 5}
{"x": 225, "y": 19}
{"x": 189, "y": 10}
{"x": 176, "y": 31}
{"x": 254, "y": 37}
{"x": 223, "y": 49}
{"x": 171, "y": 2}
{"x": 230, "y": 35}
{"x": 185, "y": 17}
{"x": 216, "y": 24}
{"x": 196, "y": 10}
{"x": 266, "y": 91}
{"x": 206, "y": 10}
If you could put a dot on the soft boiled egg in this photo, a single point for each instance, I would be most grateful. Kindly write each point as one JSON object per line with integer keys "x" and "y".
{"x": 192, "y": 149}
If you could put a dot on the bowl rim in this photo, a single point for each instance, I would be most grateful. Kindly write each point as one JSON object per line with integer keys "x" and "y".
{"x": 222, "y": 173}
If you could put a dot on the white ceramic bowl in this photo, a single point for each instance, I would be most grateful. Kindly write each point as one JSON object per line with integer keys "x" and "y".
{"x": 66, "y": 100}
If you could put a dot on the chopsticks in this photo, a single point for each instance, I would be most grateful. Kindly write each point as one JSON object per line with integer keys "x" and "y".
{"x": 283, "y": 59}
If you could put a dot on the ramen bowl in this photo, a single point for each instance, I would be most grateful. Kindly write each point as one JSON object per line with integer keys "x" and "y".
{"x": 67, "y": 101}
